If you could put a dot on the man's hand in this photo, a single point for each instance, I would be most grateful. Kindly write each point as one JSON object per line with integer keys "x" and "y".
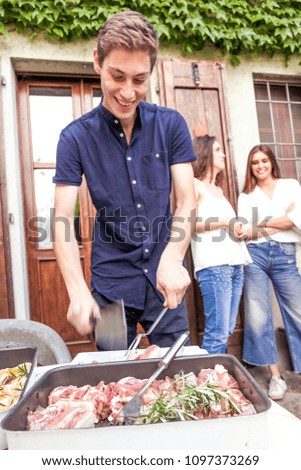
{"x": 172, "y": 281}
{"x": 82, "y": 309}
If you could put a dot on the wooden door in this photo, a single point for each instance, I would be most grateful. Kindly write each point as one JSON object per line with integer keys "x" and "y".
{"x": 6, "y": 288}
{"x": 45, "y": 107}
{"x": 196, "y": 89}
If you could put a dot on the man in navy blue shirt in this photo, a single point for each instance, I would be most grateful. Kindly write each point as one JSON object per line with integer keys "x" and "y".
{"x": 133, "y": 155}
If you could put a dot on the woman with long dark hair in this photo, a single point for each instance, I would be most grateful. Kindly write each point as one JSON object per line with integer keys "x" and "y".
{"x": 218, "y": 254}
{"x": 272, "y": 207}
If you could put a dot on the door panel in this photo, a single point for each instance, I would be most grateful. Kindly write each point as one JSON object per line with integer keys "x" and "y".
{"x": 54, "y": 306}
{"x": 6, "y": 290}
{"x": 45, "y": 108}
{"x": 203, "y": 106}
{"x": 196, "y": 90}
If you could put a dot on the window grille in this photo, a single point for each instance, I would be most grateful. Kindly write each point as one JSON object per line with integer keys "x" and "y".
{"x": 278, "y": 104}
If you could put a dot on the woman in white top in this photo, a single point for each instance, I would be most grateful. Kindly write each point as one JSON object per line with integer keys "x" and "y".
{"x": 272, "y": 207}
{"x": 217, "y": 254}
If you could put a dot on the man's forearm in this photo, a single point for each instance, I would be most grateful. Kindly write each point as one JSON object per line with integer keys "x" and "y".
{"x": 68, "y": 258}
{"x": 172, "y": 277}
{"x": 182, "y": 229}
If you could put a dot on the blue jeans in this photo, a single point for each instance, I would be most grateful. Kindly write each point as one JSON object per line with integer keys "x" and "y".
{"x": 276, "y": 262}
{"x": 221, "y": 288}
{"x": 173, "y": 323}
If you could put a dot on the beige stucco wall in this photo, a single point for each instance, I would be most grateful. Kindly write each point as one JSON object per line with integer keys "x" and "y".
{"x": 22, "y": 54}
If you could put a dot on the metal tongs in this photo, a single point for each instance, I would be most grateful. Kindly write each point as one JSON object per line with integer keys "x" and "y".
{"x": 134, "y": 345}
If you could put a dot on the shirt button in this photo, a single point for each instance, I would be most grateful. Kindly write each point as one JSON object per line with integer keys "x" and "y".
{"x": 157, "y": 155}
{"x": 134, "y": 181}
{"x": 121, "y": 134}
{"x": 143, "y": 228}
{"x": 129, "y": 158}
{"x": 146, "y": 250}
{"x": 116, "y": 121}
{"x": 146, "y": 270}
{"x": 139, "y": 206}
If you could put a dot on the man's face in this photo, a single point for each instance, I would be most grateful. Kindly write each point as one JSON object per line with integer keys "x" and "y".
{"x": 124, "y": 78}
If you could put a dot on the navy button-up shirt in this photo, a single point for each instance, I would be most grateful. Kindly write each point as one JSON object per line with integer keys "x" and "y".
{"x": 130, "y": 187}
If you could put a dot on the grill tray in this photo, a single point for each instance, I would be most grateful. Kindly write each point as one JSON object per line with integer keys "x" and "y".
{"x": 151, "y": 436}
{"x": 11, "y": 356}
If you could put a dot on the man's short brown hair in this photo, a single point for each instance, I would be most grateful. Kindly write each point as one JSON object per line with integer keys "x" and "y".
{"x": 128, "y": 30}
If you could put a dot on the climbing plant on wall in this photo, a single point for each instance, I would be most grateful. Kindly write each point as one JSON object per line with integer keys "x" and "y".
{"x": 234, "y": 26}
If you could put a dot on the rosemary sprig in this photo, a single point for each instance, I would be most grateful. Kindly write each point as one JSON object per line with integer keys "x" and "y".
{"x": 21, "y": 371}
{"x": 185, "y": 400}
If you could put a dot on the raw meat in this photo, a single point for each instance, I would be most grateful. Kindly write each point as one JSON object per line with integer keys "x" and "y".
{"x": 64, "y": 414}
{"x": 152, "y": 351}
{"x": 213, "y": 393}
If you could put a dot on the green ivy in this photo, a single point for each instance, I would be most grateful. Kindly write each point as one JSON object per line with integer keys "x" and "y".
{"x": 233, "y": 26}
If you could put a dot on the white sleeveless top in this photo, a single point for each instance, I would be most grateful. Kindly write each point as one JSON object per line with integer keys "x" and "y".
{"x": 216, "y": 247}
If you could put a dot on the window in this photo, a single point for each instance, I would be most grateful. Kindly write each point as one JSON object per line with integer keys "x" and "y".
{"x": 278, "y": 106}
{"x": 50, "y": 111}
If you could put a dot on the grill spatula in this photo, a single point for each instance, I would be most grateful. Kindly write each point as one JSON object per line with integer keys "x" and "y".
{"x": 132, "y": 410}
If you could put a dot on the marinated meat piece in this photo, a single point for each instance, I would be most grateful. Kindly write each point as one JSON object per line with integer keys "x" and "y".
{"x": 96, "y": 395}
{"x": 245, "y": 406}
{"x": 158, "y": 387}
{"x": 123, "y": 391}
{"x": 63, "y": 392}
{"x": 217, "y": 377}
{"x": 152, "y": 351}
{"x": 64, "y": 414}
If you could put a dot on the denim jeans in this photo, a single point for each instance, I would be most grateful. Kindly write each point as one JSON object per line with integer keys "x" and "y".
{"x": 221, "y": 288}
{"x": 276, "y": 262}
{"x": 173, "y": 323}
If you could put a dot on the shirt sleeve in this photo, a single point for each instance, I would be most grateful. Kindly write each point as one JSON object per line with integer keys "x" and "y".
{"x": 68, "y": 164}
{"x": 295, "y": 214}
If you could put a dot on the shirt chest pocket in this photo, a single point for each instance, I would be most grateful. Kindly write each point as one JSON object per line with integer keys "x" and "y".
{"x": 157, "y": 173}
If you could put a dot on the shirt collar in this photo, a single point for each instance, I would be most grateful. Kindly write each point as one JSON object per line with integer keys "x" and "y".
{"x": 109, "y": 117}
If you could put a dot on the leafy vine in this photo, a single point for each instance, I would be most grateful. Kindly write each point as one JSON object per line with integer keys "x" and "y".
{"x": 233, "y": 26}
